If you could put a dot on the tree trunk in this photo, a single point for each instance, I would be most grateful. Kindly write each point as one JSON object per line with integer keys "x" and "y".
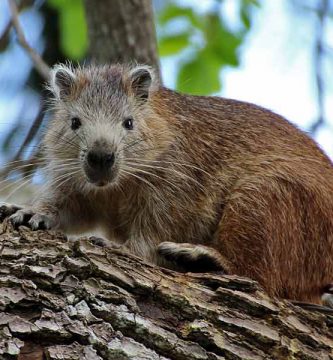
{"x": 75, "y": 301}
{"x": 122, "y": 31}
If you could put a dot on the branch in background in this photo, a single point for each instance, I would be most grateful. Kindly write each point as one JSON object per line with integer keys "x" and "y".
{"x": 33, "y": 159}
{"x": 4, "y": 36}
{"x": 25, "y": 166}
{"x": 44, "y": 71}
{"x": 322, "y": 13}
{"x": 122, "y": 31}
{"x": 32, "y": 132}
{"x": 39, "y": 63}
{"x": 5, "y": 33}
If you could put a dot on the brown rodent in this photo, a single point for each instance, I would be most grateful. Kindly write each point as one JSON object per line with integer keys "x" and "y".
{"x": 204, "y": 182}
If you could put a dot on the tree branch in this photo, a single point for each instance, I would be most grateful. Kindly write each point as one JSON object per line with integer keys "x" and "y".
{"x": 122, "y": 31}
{"x": 79, "y": 301}
{"x": 322, "y": 13}
{"x": 44, "y": 71}
{"x": 33, "y": 160}
{"x": 39, "y": 63}
{"x": 32, "y": 132}
{"x": 4, "y": 36}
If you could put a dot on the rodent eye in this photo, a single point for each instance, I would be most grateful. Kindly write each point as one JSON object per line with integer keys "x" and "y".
{"x": 76, "y": 123}
{"x": 128, "y": 124}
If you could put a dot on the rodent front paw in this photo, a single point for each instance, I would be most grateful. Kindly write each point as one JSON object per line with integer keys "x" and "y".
{"x": 7, "y": 210}
{"x": 98, "y": 241}
{"x": 32, "y": 219}
{"x": 41, "y": 222}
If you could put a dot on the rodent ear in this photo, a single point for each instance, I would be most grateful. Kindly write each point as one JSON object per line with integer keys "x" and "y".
{"x": 62, "y": 80}
{"x": 142, "y": 79}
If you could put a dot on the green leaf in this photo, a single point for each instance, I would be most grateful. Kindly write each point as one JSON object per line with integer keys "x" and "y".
{"x": 223, "y": 43}
{"x": 73, "y": 28}
{"x": 170, "y": 45}
{"x": 200, "y": 75}
{"x": 252, "y": 2}
{"x": 58, "y": 3}
{"x": 245, "y": 12}
{"x": 245, "y": 16}
{"x": 173, "y": 11}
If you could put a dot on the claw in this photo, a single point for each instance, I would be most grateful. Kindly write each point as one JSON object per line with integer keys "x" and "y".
{"x": 20, "y": 217}
{"x": 7, "y": 210}
{"x": 98, "y": 241}
{"x": 40, "y": 222}
{"x": 26, "y": 216}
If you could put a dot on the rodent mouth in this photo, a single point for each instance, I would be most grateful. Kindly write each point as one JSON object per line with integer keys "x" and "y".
{"x": 100, "y": 183}
{"x": 99, "y": 179}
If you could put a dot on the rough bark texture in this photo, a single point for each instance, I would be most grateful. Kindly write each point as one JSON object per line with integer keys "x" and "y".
{"x": 122, "y": 31}
{"x": 74, "y": 300}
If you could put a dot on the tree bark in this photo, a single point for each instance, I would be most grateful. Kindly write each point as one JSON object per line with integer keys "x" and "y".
{"x": 122, "y": 31}
{"x": 75, "y": 301}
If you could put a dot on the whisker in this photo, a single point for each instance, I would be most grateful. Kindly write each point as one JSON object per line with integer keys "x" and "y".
{"x": 54, "y": 181}
{"x": 66, "y": 178}
{"x": 156, "y": 176}
{"x": 17, "y": 189}
{"x": 12, "y": 182}
{"x": 191, "y": 166}
{"x": 31, "y": 164}
{"x": 181, "y": 174}
{"x": 141, "y": 179}
{"x": 29, "y": 177}
{"x": 22, "y": 168}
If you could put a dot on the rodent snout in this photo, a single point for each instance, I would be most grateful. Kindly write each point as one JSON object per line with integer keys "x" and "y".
{"x": 100, "y": 160}
{"x": 99, "y": 167}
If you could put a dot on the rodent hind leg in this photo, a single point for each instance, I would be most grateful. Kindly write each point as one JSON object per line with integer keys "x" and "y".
{"x": 34, "y": 218}
{"x": 261, "y": 232}
{"x": 192, "y": 257}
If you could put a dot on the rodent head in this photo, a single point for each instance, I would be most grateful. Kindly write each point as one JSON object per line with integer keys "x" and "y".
{"x": 103, "y": 122}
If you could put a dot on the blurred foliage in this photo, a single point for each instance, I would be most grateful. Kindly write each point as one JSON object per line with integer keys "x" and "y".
{"x": 206, "y": 39}
{"x": 202, "y": 39}
{"x": 73, "y": 28}
{"x": 209, "y": 42}
{"x": 202, "y": 42}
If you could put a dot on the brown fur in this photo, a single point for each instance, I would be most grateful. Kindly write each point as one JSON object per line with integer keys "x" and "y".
{"x": 273, "y": 184}
{"x": 226, "y": 174}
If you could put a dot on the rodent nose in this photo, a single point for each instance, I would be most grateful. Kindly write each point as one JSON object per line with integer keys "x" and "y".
{"x": 100, "y": 160}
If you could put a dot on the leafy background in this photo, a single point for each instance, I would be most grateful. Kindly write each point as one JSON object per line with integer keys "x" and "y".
{"x": 198, "y": 41}
{"x": 209, "y": 43}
